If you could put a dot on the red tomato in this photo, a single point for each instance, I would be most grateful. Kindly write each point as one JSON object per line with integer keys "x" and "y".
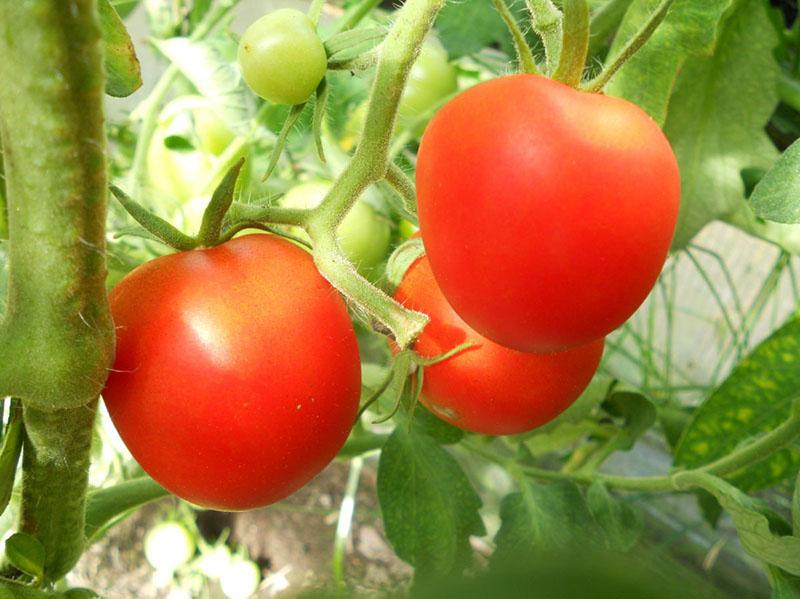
{"x": 489, "y": 388}
{"x": 237, "y": 376}
{"x": 547, "y": 213}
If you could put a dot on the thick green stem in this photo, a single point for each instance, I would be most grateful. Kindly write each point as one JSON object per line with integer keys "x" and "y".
{"x": 57, "y": 338}
{"x": 527, "y": 64}
{"x": 575, "y": 42}
{"x": 369, "y": 165}
{"x": 55, "y": 462}
{"x": 546, "y": 22}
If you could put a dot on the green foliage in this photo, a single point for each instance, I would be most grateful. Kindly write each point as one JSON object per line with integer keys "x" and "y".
{"x": 776, "y": 197}
{"x": 123, "y": 74}
{"x": 26, "y": 553}
{"x": 429, "y": 507}
{"x": 754, "y": 399}
{"x": 467, "y": 28}
{"x": 622, "y": 524}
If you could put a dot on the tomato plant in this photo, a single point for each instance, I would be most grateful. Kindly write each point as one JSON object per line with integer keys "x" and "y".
{"x": 593, "y": 188}
{"x": 488, "y": 388}
{"x": 281, "y": 57}
{"x": 236, "y": 397}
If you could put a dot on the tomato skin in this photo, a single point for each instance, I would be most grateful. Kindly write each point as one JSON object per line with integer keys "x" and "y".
{"x": 547, "y": 213}
{"x": 237, "y": 376}
{"x": 488, "y": 388}
{"x": 282, "y": 58}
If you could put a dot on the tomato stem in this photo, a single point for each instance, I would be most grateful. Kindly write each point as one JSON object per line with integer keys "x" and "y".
{"x": 221, "y": 201}
{"x": 575, "y": 42}
{"x": 630, "y": 49}
{"x": 546, "y": 22}
{"x": 527, "y": 63}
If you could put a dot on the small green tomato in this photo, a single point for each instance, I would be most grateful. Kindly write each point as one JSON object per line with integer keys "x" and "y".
{"x": 364, "y": 235}
{"x": 240, "y": 579}
{"x": 282, "y": 58}
{"x": 168, "y": 546}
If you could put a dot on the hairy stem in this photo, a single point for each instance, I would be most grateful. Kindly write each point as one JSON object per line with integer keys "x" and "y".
{"x": 575, "y": 42}
{"x": 546, "y": 22}
{"x": 527, "y": 63}
{"x": 55, "y": 470}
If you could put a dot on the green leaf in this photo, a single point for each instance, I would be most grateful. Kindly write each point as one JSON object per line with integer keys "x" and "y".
{"x": 544, "y": 517}
{"x": 26, "y": 553}
{"x": 621, "y": 523}
{"x": 784, "y": 586}
{"x": 777, "y": 196}
{"x": 437, "y": 429}
{"x": 210, "y": 67}
{"x": 753, "y": 527}
{"x": 637, "y": 412}
{"x": 717, "y": 116}
{"x": 350, "y": 44}
{"x": 106, "y": 507}
{"x": 466, "y": 27}
{"x": 429, "y": 507}
{"x": 10, "y": 452}
{"x": 123, "y": 73}
{"x": 124, "y": 7}
{"x": 648, "y": 78}
{"x": 754, "y": 399}
{"x": 796, "y": 507}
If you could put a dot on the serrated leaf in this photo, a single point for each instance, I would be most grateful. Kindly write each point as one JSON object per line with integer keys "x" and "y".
{"x": 26, "y": 553}
{"x": 647, "y": 79}
{"x": 621, "y": 523}
{"x": 467, "y": 27}
{"x": 429, "y": 507}
{"x": 717, "y": 116}
{"x": 123, "y": 72}
{"x": 753, "y": 527}
{"x": 207, "y": 65}
{"x": 753, "y": 400}
{"x": 776, "y": 197}
{"x": 544, "y": 517}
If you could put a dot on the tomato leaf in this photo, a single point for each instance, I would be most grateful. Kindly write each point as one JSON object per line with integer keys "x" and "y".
{"x": 106, "y": 507}
{"x": 717, "y": 116}
{"x": 544, "y": 517}
{"x": 637, "y": 412}
{"x": 784, "y": 586}
{"x": 123, "y": 73}
{"x": 753, "y": 527}
{"x": 621, "y": 523}
{"x": 436, "y": 428}
{"x": 777, "y": 196}
{"x": 465, "y": 28}
{"x": 754, "y": 399}
{"x": 647, "y": 79}
{"x": 208, "y": 65}
{"x": 429, "y": 507}
{"x": 26, "y": 553}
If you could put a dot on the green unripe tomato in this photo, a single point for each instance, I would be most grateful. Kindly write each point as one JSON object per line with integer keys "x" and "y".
{"x": 431, "y": 79}
{"x": 282, "y": 58}
{"x": 168, "y": 546}
{"x": 240, "y": 579}
{"x": 364, "y": 235}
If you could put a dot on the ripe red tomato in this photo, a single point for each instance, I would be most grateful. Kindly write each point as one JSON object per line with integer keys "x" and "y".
{"x": 237, "y": 375}
{"x": 489, "y": 388}
{"x": 547, "y": 213}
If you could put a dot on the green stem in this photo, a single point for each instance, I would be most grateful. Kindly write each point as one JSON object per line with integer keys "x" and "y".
{"x": 3, "y": 203}
{"x": 743, "y": 457}
{"x": 632, "y": 47}
{"x": 57, "y": 337}
{"x": 789, "y": 90}
{"x": 546, "y": 22}
{"x": 221, "y": 201}
{"x": 149, "y": 107}
{"x": 524, "y": 55}
{"x": 369, "y": 165}
{"x": 55, "y": 464}
{"x": 575, "y": 42}
{"x": 404, "y": 186}
{"x": 272, "y": 214}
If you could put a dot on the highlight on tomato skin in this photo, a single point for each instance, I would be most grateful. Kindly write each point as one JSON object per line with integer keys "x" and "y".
{"x": 488, "y": 388}
{"x": 547, "y": 213}
{"x": 237, "y": 375}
